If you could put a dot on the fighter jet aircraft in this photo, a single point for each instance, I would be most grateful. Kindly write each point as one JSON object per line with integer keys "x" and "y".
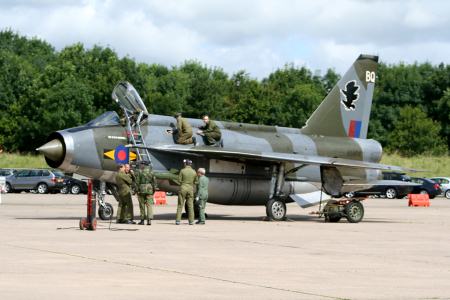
{"x": 254, "y": 164}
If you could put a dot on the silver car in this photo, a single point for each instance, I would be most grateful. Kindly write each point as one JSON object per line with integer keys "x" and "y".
{"x": 41, "y": 180}
{"x": 444, "y": 182}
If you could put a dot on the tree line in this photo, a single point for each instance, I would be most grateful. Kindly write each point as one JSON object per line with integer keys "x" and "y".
{"x": 43, "y": 90}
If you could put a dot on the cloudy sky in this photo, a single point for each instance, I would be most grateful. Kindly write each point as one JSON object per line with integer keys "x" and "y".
{"x": 257, "y": 36}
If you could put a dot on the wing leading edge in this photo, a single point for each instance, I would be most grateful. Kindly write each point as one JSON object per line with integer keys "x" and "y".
{"x": 221, "y": 153}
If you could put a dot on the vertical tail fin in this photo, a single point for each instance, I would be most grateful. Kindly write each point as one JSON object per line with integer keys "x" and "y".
{"x": 345, "y": 111}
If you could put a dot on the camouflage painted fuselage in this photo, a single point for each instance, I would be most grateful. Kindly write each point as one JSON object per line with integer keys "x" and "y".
{"x": 292, "y": 162}
{"x": 231, "y": 181}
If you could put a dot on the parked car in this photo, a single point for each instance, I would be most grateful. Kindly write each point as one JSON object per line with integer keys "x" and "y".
{"x": 386, "y": 188}
{"x": 389, "y": 187}
{"x": 74, "y": 186}
{"x": 427, "y": 186}
{"x": 444, "y": 183}
{"x": 41, "y": 180}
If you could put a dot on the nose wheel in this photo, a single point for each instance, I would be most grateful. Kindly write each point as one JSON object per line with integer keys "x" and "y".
{"x": 106, "y": 211}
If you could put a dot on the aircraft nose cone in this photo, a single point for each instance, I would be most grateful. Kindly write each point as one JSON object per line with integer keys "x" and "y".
{"x": 53, "y": 150}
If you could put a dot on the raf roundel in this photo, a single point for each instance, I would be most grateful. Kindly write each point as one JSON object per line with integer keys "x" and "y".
{"x": 121, "y": 155}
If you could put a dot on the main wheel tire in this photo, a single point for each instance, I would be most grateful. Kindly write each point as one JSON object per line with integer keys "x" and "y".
{"x": 354, "y": 211}
{"x": 106, "y": 212}
{"x": 42, "y": 188}
{"x": 391, "y": 193}
{"x": 8, "y": 188}
{"x": 447, "y": 194}
{"x": 423, "y": 192}
{"x": 276, "y": 209}
{"x": 75, "y": 189}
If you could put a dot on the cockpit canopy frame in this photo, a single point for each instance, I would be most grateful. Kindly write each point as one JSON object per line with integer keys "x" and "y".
{"x": 128, "y": 98}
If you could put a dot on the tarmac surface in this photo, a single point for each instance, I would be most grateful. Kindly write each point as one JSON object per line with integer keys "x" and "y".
{"x": 396, "y": 252}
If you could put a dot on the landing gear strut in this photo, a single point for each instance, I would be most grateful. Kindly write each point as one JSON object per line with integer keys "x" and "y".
{"x": 276, "y": 206}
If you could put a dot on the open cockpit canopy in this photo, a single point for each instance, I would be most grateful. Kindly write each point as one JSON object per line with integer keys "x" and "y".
{"x": 128, "y": 98}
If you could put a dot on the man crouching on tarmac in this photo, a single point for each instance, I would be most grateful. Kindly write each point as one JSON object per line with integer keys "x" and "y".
{"x": 146, "y": 187}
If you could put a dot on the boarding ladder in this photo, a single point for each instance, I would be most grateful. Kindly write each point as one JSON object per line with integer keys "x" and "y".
{"x": 135, "y": 138}
{"x": 135, "y": 113}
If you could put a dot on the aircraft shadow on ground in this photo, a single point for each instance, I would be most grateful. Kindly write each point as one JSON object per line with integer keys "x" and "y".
{"x": 222, "y": 217}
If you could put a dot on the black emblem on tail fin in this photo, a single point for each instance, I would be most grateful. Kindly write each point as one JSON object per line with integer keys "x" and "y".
{"x": 350, "y": 95}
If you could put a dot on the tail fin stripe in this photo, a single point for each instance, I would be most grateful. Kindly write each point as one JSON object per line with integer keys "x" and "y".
{"x": 355, "y": 129}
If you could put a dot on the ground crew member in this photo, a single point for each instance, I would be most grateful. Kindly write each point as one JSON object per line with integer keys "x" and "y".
{"x": 183, "y": 131}
{"x": 202, "y": 194}
{"x": 146, "y": 187}
{"x": 124, "y": 179}
{"x": 210, "y": 132}
{"x": 187, "y": 178}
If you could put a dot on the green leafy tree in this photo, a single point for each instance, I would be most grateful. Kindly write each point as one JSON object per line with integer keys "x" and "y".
{"x": 330, "y": 79}
{"x": 443, "y": 106}
{"x": 207, "y": 90}
{"x": 243, "y": 102}
{"x": 282, "y": 96}
{"x": 169, "y": 93}
{"x": 414, "y": 134}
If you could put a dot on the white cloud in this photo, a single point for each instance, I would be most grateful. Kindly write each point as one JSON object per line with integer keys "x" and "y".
{"x": 257, "y": 36}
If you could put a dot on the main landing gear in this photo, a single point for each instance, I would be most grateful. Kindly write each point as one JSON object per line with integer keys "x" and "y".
{"x": 276, "y": 206}
{"x": 332, "y": 182}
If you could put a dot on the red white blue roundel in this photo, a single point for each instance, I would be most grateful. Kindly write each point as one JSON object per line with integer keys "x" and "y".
{"x": 122, "y": 155}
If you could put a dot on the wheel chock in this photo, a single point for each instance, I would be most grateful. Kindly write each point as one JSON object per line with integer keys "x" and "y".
{"x": 418, "y": 200}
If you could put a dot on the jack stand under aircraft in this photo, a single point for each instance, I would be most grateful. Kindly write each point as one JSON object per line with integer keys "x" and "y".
{"x": 90, "y": 222}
